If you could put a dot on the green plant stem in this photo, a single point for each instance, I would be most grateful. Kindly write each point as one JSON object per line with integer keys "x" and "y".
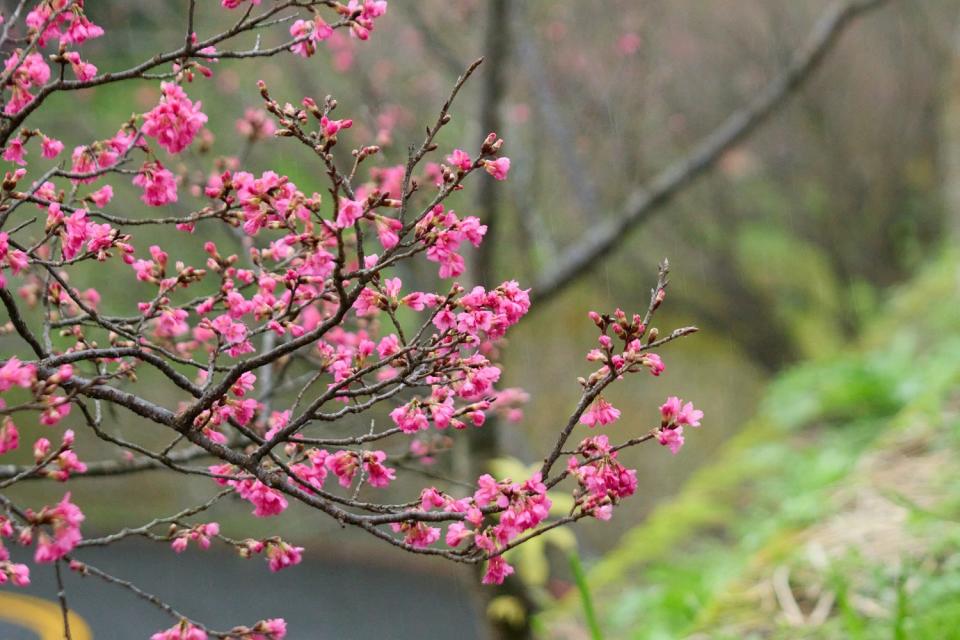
{"x": 588, "y": 611}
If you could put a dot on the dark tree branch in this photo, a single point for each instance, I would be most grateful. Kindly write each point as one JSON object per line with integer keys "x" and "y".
{"x": 603, "y": 239}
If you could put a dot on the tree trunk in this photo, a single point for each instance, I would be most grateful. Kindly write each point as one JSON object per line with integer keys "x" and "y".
{"x": 485, "y": 442}
{"x": 950, "y": 139}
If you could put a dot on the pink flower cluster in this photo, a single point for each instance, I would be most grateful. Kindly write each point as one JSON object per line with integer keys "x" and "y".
{"x": 603, "y": 480}
{"x": 13, "y": 259}
{"x": 77, "y": 230}
{"x": 15, "y": 373}
{"x": 478, "y": 318}
{"x": 15, "y": 573}
{"x": 200, "y": 534}
{"x": 308, "y": 33}
{"x": 362, "y": 14}
{"x": 83, "y": 70}
{"x": 675, "y": 415}
{"x": 343, "y": 464}
{"x": 266, "y": 501}
{"x": 63, "y": 20}
{"x": 521, "y": 507}
{"x": 599, "y": 413}
{"x": 64, "y": 519}
{"x": 66, "y": 461}
{"x": 158, "y": 183}
{"x": 15, "y": 152}
{"x": 33, "y": 71}
{"x": 184, "y": 630}
{"x": 52, "y": 407}
{"x": 9, "y": 435}
{"x": 443, "y": 233}
{"x": 270, "y": 201}
{"x": 305, "y": 291}
{"x": 93, "y": 161}
{"x": 175, "y": 122}
{"x": 280, "y": 554}
{"x": 233, "y": 4}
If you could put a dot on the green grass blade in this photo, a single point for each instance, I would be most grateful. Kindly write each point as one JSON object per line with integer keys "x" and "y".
{"x": 588, "y": 611}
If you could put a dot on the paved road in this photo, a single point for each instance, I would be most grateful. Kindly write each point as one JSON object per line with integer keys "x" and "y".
{"x": 328, "y": 598}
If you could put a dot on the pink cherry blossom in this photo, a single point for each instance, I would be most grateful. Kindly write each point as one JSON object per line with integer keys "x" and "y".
{"x": 331, "y": 127}
{"x": 233, "y": 4}
{"x": 498, "y": 168}
{"x": 66, "y": 463}
{"x": 653, "y": 362}
{"x": 266, "y": 501}
{"x": 460, "y": 159}
{"x": 15, "y": 152}
{"x": 670, "y": 409}
{"x": 174, "y": 122}
{"x": 232, "y": 332}
{"x": 344, "y": 465}
{"x": 672, "y": 438}
{"x": 601, "y": 475}
{"x": 64, "y": 519}
{"x": 349, "y": 212}
{"x": 183, "y": 630}
{"x": 309, "y": 33}
{"x": 50, "y": 147}
{"x": 689, "y": 416}
{"x": 600, "y": 412}
{"x": 675, "y": 412}
{"x": 417, "y": 534}
{"x": 457, "y": 533}
{"x": 388, "y": 230}
{"x": 33, "y": 72}
{"x": 102, "y": 196}
{"x": 489, "y": 492}
{"x": 80, "y": 30}
{"x": 15, "y": 373}
{"x": 200, "y": 534}
{"x": 9, "y": 436}
{"x": 17, "y": 574}
{"x": 378, "y": 475}
{"x": 83, "y": 70}
{"x": 497, "y": 571}
{"x": 281, "y": 555}
{"x": 41, "y": 449}
{"x": 410, "y": 418}
{"x": 158, "y": 183}
{"x": 273, "y": 629}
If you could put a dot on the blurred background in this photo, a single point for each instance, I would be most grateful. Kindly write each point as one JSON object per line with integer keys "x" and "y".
{"x": 817, "y": 255}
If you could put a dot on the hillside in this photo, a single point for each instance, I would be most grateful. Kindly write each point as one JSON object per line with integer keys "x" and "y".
{"x": 835, "y": 513}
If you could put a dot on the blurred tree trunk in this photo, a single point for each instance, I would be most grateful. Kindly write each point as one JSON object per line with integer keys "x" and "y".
{"x": 496, "y": 49}
{"x": 485, "y": 443}
{"x": 950, "y": 138}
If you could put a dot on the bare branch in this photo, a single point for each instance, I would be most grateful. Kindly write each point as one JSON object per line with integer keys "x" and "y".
{"x": 580, "y": 258}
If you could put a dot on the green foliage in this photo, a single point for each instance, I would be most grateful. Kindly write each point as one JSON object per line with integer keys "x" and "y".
{"x": 798, "y": 276}
{"x": 839, "y": 390}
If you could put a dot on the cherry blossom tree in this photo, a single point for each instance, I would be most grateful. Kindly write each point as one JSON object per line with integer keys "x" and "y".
{"x": 307, "y": 325}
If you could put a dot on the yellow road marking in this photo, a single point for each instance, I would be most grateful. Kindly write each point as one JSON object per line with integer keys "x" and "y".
{"x": 41, "y": 617}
